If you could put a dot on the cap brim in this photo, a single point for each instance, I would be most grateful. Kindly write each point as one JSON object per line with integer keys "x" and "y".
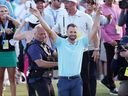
{"x": 32, "y": 19}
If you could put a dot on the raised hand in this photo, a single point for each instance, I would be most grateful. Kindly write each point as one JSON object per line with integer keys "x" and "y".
{"x": 35, "y": 12}
{"x": 8, "y": 31}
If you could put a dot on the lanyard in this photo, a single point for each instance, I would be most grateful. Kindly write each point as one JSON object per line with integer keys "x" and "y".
{"x": 46, "y": 49}
{"x": 63, "y": 25}
{"x": 3, "y": 30}
{"x": 54, "y": 14}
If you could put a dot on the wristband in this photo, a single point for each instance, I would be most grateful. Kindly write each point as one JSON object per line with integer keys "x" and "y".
{"x": 96, "y": 49}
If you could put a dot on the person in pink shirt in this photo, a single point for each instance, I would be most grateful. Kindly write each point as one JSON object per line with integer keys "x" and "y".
{"x": 111, "y": 33}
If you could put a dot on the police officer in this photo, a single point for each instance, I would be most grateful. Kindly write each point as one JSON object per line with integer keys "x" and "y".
{"x": 40, "y": 65}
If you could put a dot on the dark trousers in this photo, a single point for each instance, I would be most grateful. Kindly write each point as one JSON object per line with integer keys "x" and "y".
{"x": 21, "y": 57}
{"x": 110, "y": 73}
{"x": 39, "y": 86}
{"x": 88, "y": 74}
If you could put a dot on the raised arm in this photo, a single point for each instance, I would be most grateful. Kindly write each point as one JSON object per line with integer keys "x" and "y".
{"x": 18, "y": 34}
{"x": 96, "y": 26}
{"x": 45, "y": 64}
{"x": 14, "y": 21}
{"x": 94, "y": 36}
{"x": 51, "y": 34}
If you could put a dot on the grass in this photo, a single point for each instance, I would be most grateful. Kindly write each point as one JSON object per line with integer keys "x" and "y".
{"x": 22, "y": 91}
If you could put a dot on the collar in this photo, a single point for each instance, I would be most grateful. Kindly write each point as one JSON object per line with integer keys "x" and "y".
{"x": 76, "y": 42}
{"x": 36, "y": 41}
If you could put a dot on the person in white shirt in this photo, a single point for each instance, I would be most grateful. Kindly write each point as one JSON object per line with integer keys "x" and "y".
{"x": 55, "y": 10}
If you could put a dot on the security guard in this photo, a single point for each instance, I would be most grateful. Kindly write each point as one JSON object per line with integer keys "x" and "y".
{"x": 40, "y": 63}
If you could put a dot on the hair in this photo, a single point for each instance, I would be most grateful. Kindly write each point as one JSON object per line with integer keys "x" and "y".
{"x": 71, "y": 25}
{"x": 3, "y": 6}
{"x": 36, "y": 1}
{"x": 32, "y": 25}
{"x": 38, "y": 27}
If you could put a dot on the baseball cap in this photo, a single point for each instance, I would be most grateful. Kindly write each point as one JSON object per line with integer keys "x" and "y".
{"x": 75, "y": 1}
{"x": 32, "y": 19}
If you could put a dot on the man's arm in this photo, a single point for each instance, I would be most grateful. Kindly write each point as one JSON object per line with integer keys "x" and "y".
{"x": 51, "y": 34}
{"x": 45, "y": 64}
{"x": 124, "y": 54}
{"x": 14, "y": 21}
{"x": 96, "y": 26}
{"x": 18, "y": 34}
{"x": 94, "y": 36}
{"x": 34, "y": 53}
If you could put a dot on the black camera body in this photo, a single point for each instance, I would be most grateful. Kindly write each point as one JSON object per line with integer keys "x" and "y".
{"x": 123, "y": 4}
{"x": 123, "y": 44}
{"x": 120, "y": 48}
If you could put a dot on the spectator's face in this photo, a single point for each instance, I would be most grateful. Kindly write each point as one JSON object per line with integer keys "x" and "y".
{"x": 56, "y": 3}
{"x": 66, "y": 4}
{"x": 40, "y": 5}
{"x": 72, "y": 33}
{"x": 3, "y": 11}
{"x": 69, "y": 5}
{"x": 109, "y": 2}
{"x": 89, "y": 9}
{"x": 40, "y": 34}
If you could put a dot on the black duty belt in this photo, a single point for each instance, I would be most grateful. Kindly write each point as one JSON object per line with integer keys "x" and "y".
{"x": 69, "y": 77}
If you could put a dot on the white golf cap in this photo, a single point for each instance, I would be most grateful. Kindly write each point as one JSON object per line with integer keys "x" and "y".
{"x": 75, "y": 1}
{"x": 32, "y": 19}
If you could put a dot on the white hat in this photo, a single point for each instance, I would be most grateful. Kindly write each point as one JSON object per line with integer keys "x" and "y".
{"x": 75, "y": 1}
{"x": 32, "y": 19}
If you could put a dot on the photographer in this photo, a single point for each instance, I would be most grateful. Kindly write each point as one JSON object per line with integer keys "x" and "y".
{"x": 120, "y": 65}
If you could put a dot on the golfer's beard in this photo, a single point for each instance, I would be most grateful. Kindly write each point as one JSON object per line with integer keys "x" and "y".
{"x": 72, "y": 38}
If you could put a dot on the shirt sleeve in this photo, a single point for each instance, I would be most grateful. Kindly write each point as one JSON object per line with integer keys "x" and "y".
{"x": 58, "y": 41}
{"x": 34, "y": 52}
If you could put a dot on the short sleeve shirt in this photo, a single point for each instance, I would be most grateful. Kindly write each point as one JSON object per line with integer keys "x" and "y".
{"x": 70, "y": 56}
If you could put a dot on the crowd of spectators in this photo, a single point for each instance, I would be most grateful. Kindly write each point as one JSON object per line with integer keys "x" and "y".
{"x": 102, "y": 23}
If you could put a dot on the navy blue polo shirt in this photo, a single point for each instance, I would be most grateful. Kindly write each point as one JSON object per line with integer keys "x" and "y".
{"x": 36, "y": 52}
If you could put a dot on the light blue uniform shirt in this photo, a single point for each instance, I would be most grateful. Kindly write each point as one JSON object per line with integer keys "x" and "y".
{"x": 70, "y": 56}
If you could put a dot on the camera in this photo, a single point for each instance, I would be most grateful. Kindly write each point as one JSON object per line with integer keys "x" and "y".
{"x": 123, "y": 44}
{"x": 121, "y": 48}
{"x": 123, "y": 4}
